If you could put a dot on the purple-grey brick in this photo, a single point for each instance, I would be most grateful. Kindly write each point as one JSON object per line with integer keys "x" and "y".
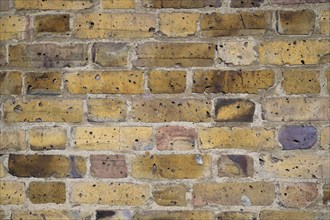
{"x": 297, "y": 137}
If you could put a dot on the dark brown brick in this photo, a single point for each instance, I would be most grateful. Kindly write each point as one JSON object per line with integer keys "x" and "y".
{"x": 58, "y": 24}
{"x": 108, "y": 166}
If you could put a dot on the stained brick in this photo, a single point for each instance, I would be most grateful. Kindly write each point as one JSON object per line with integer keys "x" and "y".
{"x": 294, "y": 52}
{"x": 100, "y": 110}
{"x": 43, "y": 110}
{"x": 301, "y": 82}
{"x": 236, "y": 138}
{"x": 43, "y": 83}
{"x": 111, "y": 54}
{"x": 235, "y": 166}
{"x": 53, "y": 5}
{"x": 46, "y": 192}
{"x": 327, "y": 75}
{"x": 325, "y": 22}
{"x": 326, "y": 194}
{"x": 243, "y": 23}
{"x": 10, "y": 83}
{"x": 118, "y": 4}
{"x": 166, "y": 110}
{"x": 40, "y": 166}
{"x": 48, "y": 55}
{"x": 47, "y": 138}
{"x": 234, "y": 194}
{"x": 290, "y": 2}
{"x": 3, "y": 171}
{"x": 113, "y": 214}
{"x": 297, "y": 137}
{"x": 237, "y": 216}
{"x": 236, "y": 53}
{"x": 12, "y": 27}
{"x": 325, "y": 138}
{"x": 109, "y": 82}
{"x": 12, "y": 140}
{"x": 108, "y": 166}
{"x": 287, "y": 22}
{"x": 55, "y": 24}
{"x": 175, "y": 138}
{"x": 171, "y": 166}
{"x": 167, "y": 81}
{"x": 246, "y": 3}
{"x": 112, "y": 138}
{"x": 178, "y": 24}
{"x": 3, "y": 55}
{"x": 12, "y": 193}
{"x": 181, "y": 3}
{"x": 170, "y": 195}
{"x": 50, "y": 214}
{"x": 114, "y": 194}
{"x": 296, "y": 109}
{"x": 4, "y": 5}
{"x": 117, "y": 26}
{"x": 234, "y": 110}
{"x": 160, "y": 54}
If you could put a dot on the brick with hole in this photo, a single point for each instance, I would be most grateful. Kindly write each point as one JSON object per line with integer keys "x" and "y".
{"x": 324, "y": 22}
{"x": 111, "y": 54}
{"x": 55, "y": 24}
{"x": 13, "y": 27}
{"x": 234, "y": 110}
{"x": 108, "y": 166}
{"x": 46, "y": 192}
{"x": 10, "y": 83}
{"x": 12, "y": 192}
{"x": 47, "y": 138}
{"x": 170, "y": 195}
{"x": 104, "y": 110}
{"x": 297, "y": 137}
{"x": 299, "y": 81}
{"x": 235, "y": 166}
{"x": 246, "y": 3}
{"x": 181, "y": 4}
{"x": 287, "y": 22}
{"x": 46, "y": 83}
{"x": 175, "y": 138}
{"x": 167, "y": 82}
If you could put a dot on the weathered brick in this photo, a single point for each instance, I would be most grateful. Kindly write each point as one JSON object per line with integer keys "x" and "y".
{"x": 297, "y": 137}
{"x": 108, "y": 166}
{"x": 298, "y": 195}
{"x": 43, "y": 83}
{"x": 237, "y": 138}
{"x": 294, "y": 52}
{"x": 325, "y": 138}
{"x": 128, "y": 194}
{"x": 178, "y": 24}
{"x": 177, "y": 166}
{"x": 10, "y": 83}
{"x": 290, "y": 2}
{"x": 55, "y": 24}
{"x": 181, "y": 3}
{"x": 46, "y": 192}
{"x": 327, "y": 75}
{"x": 302, "y": 166}
{"x": 113, "y": 214}
{"x": 2, "y": 212}
{"x": 50, "y": 214}
{"x": 237, "y": 216}
{"x": 162, "y": 54}
{"x": 47, "y": 138}
{"x": 175, "y": 138}
{"x": 12, "y": 140}
{"x": 166, "y": 110}
{"x": 167, "y": 81}
{"x": 324, "y": 19}
{"x": 116, "y": 26}
{"x": 287, "y": 22}
{"x": 54, "y": 5}
{"x": 326, "y": 194}
{"x": 113, "y": 138}
{"x": 43, "y": 110}
{"x": 234, "y": 194}
{"x": 3, "y": 55}
{"x": 4, "y": 5}
{"x": 106, "y": 109}
{"x": 48, "y": 55}
{"x": 3, "y": 171}
{"x": 111, "y": 54}
{"x": 13, "y": 27}
{"x": 283, "y": 214}
{"x": 170, "y": 195}
{"x": 301, "y": 82}
{"x": 237, "y": 53}
{"x": 217, "y": 81}
{"x": 234, "y": 110}
{"x": 117, "y": 4}
{"x": 174, "y": 215}
{"x": 46, "y": 166}
{"x": 110, "y": 82}
{"x": 235, "y": 166}
{"x": 296, "y": 109}
{"x": 246, "y": 3}
{"x": 243, "y": 23}
{"x": 12, "y": 193}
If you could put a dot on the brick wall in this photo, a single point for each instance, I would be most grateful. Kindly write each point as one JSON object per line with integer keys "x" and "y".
{"x": 165, "y": 109}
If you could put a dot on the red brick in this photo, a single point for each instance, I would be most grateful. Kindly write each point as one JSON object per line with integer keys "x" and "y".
{"x": 108, "y": 166}
{"x": 176, "y": 138}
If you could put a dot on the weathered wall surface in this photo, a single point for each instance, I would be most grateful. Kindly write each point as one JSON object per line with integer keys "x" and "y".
{"x": 165, "y": 109}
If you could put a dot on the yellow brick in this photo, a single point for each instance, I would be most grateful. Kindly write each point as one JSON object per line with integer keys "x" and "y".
{"x": 109, "y": 193}
{"x": 237, "y": 53}
{"x": 43, "y": 110}
{"x": 43, "y": 83}
{"x": 170, "y": 195}
{"x": 325, "y": 138}
{"x": 3, "y": 171}
{"x": 174, "y": 215}
{"x": 117, "y": 4}
{"x": 167, "y": 81}
{"x": 112, "y": 138}
{"x": 3, "y": 55}
{"x": 181, "y": 4}
{"x": 47, "y": 192}
{"x": 234, "y": 110}
{"x": 12, "y": 27}
{"x": 12, "y": 140}
{"x": 50, "y": 214}
{"x": 43, "y": 138}
{"x": 106, "y": 109}
{"x": 237, "y": 216}
{"x": 58, "y": 24}
{"x": 171, "y": 166}
{"x": 178, "y": 24}
{"x": 301, "y": 82}
{"x": 296, "y": 109}
{"x": 125, "y": 82}
{"x": 325, "y": 22}
{"x": 12, "y": 193}
{"x": 234, "y": 194}
{"x": 117, "y": 26}
{"x": 281, "y": 214}
{"x": 327, "y": 75}
{"x": 294, "y": 52}
{"x": 10, "y": 83}
{"x": 53, "y": 5}
{"x": 237, "y": 138}
{"x": 294, "y": 166}
{"x": 287, "y": 22}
